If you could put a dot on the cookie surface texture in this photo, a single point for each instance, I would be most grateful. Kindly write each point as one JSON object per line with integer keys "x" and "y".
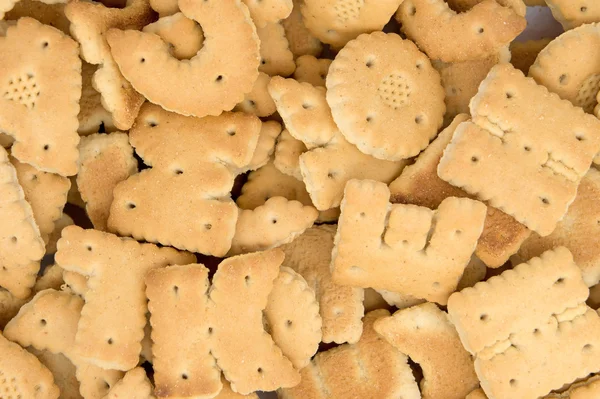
{"x": 224, "y": 70}
{"x": 134, "y": 385}
{"x": 573, "y": 13}
{"x": 401, "y": 248}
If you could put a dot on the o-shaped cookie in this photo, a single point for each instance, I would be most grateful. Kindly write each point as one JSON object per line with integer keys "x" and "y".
{"x": 214, "y": 80}
{"x": 385, "y": 96}
{"x": 570, "y": 66}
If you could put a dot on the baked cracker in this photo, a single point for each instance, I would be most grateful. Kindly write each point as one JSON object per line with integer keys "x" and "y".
{"x": 182, "y": 362}
{"x": 9, "y": 306}
{"x": 113, "y": 317}
{"x": 268, "y": 11}
{"x": 340, "y": 306}
{"x": 21, "y": 245}
{"x": 573, "y": 13}
{"x": 372, "y": 90}
{"x": 292, "y": 317}
{"x": 578, "y": 231}
{"x": 524, "y": 54}
{"x": 569, "y": 66}
{"x": 258, "y": 101}
{"x": 331, "y": 160}
{"x": 543, "y": 151}
{"x": 301, "y": 41}
{"x": 134, "y": 385}
{"x": 337, "y": 22}
{"x": 287, "y": 155}
{"x": 275, "y": 55}
{"x": 92, "y": 114}
{"x": 267, "y": 137}
{"x": 75, "y": 283}
{"x": 184, "y": 36}
{"x": 223, "y": 71}
{"x": 62, "y": 370}
{"x": 22, "y": 374}
{"x": 369, "y": 369}
{"x": 312, "y": 70}
{"x": 277, "y": 222}
{"x": 104, "y": 161}
{"x": 404, "y": 248}
{"x": 426, "y": 335}
{"x": 419, "y": 184}
{"x": 227, "y": 393}
{"x": 477, "y": 33}
{"x": 64, "y": 221}
{"x": 165, "y": 7}
{"x": 45, "y": 192}
{"x": 261, "y": 366}
{"x": 52, "y": 277}
{"x": 586, "y": 389}
{"x": 194, "y": 162}
{"x": 39, "y": 103}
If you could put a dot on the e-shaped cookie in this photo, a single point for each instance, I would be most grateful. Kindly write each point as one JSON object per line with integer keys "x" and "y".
{"x": 21, "y": 245}
{"x": 39, "y": 97}
{"x": 113, "y": 317}
{"x": 543, "y": 151}
{"x": 578, "y": 231}
{"x": 385, "y": 96}
{"x": 573, "y": 13}
{"x": 340, "y": 306}
{"x": 370, "y": 368}
{"x": 336, "y": 22}
{"x": 570, "y": 66}
{"x": 196, "y": 156}
{"x": 104, "y": 161}
{"x": 426, "y": 335}
{"x": 420, "y": 185}
{"x": 301, "y": 41}
{"x": 404, "y": 248}
{"x": 330, "y": 160}
{"x": 223, "y": 70}
{"x": 523, "y": 323}
{"x": 22, "y": 374}
{"x": 477, "y": 33}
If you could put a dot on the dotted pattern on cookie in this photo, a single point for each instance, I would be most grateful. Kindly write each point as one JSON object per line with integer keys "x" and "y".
{"x": 348, "y": 9}
{"x": 394, "y": 90}
{"x": 586, "y": 98}
{"x": 9, "y": 388}
{"x": 23, "y": 89}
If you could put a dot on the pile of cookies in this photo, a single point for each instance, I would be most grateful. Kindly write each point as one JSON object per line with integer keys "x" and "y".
{"x": 321, "y": 199}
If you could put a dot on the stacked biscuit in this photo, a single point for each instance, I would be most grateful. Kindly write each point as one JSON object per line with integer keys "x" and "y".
{"x": 212, "y": 198}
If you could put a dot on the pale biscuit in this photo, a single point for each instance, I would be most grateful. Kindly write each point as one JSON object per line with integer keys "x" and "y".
{"x": 368, "y": 369}
{"x": 46, "y": 12}
{"x": 39, "y": 104}
{"x": 312, "y": 70}
{"x": 419, "y": 184}
{"x": 573, "y": 13}
{"x": 461, "y": 81}
{"x": 586, "y": 389}
{"x": 21, "y": 245}
{"x": 104, "y": 161}
{"x": 92, "y": 115}
{"x": 134, "y": 385}
{"x": 194, "y": 162}
{"x": 45, "y": 192}
{"x": 292, "y": 317}
{"x": 465, "y": 5}
{"x": 265, "y": 147}
{"x": 227, "y": 393}
{"x": 544, "y": 151}
{"x": 301, "y": 41}
{"x": 482, "y": 313}
{"x": 268, "y": 182}
{"x": 258, "y": 101}
{"x": 184, "y": 36}
{"x": 338, "y": 22}
{"x": 426, "y": 335}
{"x": 223, "y": 71}
{"x": 379, "y": 82}
{"x": 113, "y": 317}
{"x": 332, "y": 160}
{"x": 165, "y": 7}
{"x": 265, "y": 12}
{"x": 275, "y": 55}
{"x": 570, "y": 67}
{"x": 9, "y": 306}
{"x": 277, "y": 222}
{"x": 524, "y": 54}
{"x": 398, "y": 300}
{"x": 578, "y": 231}
{"x": 182, "y": 361}
{"x": 23, "y": 375}
{"x": 89, "y": 23}
{"x": 62, "y": 370}
{"x": 341, "y": 307}
{"x": 51, "y": 278}
{"x": 255, "y": 362}
{"x": 401, "y": 248}
{"x": 75, "y": 283}
{"x": 477, "y": 33}
{"x": 287, "y": 155}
